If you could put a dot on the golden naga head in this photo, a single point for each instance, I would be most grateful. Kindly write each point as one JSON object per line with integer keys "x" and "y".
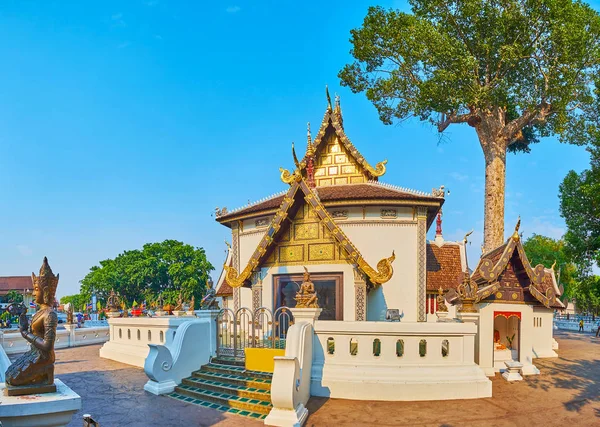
{"x": 45, "y": 284}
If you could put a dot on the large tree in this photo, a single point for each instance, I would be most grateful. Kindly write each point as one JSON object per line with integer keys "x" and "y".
{"x": 166, "y": 268}
{"x": 580, "y": 207}
{"x": 515, "y": 70}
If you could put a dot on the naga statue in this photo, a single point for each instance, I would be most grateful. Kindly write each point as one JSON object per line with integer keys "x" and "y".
{"x": 306, "y": 297}
{"x": 209, "y": 302}
{"x": 33, "y": 372}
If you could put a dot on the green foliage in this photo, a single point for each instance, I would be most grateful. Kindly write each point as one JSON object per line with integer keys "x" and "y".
{"x": 78, "y": 301}
{"x": 514, "y": 69}
{"x": 167, "y": 267}
{"x": 14, "y": 296}
{"x": 546, "y": 251}
{"x": 580, "y": 207}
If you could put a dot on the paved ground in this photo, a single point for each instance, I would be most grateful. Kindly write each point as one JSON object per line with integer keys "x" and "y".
{"x": 567, "y": 393}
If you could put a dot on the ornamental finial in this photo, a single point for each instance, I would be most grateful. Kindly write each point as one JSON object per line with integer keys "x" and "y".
{"x": 515, "y": 235}
{"x": 328, "y": 98}
{"x": 310, "y": 149}
{"x": 438, "y": 222}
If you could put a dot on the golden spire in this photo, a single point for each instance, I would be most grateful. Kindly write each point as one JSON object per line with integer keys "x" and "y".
{"x": 328, "y": 98}
{"x": 310, "y": 149}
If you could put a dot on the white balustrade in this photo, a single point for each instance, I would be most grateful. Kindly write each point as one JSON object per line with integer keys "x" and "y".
{"x": 396, "y": 361}
{"x": 130, "y": 337}
{"x": 14, "y": 343}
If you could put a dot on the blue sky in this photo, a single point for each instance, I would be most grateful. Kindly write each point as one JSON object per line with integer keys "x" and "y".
{"x": 123, "y": 123}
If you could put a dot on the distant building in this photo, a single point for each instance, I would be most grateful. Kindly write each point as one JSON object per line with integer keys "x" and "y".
{"x": 21, "y": 284}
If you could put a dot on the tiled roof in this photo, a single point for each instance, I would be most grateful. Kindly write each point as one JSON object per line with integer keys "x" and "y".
{"x": 444, "y": 268}
{"x": 346, "y": 192}
{"x": 225, "y": 290}
{"x": 19, "y": 283}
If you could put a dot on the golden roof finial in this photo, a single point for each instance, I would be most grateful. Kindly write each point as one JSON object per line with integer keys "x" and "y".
{"x": 553, "y": 265}
{"x": 328, "y": 98}
{"x": 310, "y": 149}
{"x": 515, "y": 235}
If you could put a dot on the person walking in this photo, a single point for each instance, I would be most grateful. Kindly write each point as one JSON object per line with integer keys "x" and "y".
{"x": 580, "y": 325}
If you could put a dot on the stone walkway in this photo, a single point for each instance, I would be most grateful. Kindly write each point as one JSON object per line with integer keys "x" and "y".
{"x": 567, "y": 393}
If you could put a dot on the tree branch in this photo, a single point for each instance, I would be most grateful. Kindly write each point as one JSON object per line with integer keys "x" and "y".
{"x": 534, "y": 116}
{"x": 451, "y": 118}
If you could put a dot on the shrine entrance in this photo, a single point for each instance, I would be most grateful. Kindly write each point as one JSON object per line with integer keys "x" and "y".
{"x": 507, "y": 337}
{"x": 259, "y": 329}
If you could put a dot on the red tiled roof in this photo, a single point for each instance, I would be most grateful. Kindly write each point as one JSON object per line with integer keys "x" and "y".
{"x": 444, "y": 268}
{"x": 225, "y": 290}
{"x": 18, "y": 283}
{"x": 346, "y": 192}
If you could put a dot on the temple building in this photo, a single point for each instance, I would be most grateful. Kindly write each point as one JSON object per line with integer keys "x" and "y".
{"x": 364, "y": 245}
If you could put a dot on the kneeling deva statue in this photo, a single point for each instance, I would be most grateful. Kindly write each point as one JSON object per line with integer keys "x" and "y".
{"x": 33, "y": 372}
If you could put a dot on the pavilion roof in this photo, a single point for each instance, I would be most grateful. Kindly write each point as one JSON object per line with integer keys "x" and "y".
{"x": 299, "y": 193}
{"x": 361, "y": 193}
{"x": 17, "y": 283}
{"x": 487, "y": 274}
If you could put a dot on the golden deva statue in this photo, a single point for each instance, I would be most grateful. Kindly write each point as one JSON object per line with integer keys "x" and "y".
{"x": 33, "y": 372}
{"x": 306, "y": 297}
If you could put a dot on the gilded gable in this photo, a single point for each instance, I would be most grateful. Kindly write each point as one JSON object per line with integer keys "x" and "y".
{"x": 305, "y": 241}
{"x": 335, "y": 165}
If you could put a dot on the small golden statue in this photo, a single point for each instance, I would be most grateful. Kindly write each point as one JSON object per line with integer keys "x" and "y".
{"x": 179, "y": 306}
{"x": 33, "y": 372}
{"x": 70, "y": 314}
{"x": 306, "y": 297}
{"x": 112, "y": 303}
{"x": 441, "y": 301}
{"x": 192, "y": 303}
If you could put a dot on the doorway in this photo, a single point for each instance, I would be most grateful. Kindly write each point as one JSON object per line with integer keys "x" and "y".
{"x": 329, "y": 292}
{"x": 506, "y": 337}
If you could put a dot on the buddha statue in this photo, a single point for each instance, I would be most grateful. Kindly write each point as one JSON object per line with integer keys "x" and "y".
{"x": 497, "y": 344}
{"x": 306, "y": 297}
{"x": 33, "y": 372}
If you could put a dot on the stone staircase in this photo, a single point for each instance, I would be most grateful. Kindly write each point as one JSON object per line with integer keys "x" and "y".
{"x": 225, "y": 385}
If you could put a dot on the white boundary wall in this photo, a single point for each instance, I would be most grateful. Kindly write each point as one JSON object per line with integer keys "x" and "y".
{"x": 365, "y": 376}
{"x": 130, "y": 336}
{"x": 14, "y": 343}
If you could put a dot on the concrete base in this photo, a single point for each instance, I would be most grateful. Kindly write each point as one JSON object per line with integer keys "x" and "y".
{"x": 410, "y": 383}
{"x": 530, "y": 369}
{"x": 39, "y": 410}
{"x": 512, "y": 371}
{"x": 554, "y": 344}
{"x": 129, "y": 354}
{"x": 287, "y": 418}
{"x": 159, "y": 388}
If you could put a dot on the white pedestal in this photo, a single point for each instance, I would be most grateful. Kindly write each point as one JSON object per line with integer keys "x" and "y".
{"x": 287, "y": 417}
{"x": 39, "y": 410}
{"x": 309, "y": 315}
{"x": 160, "y": 313}
{"x": 512, "y": 371}
{"x": 111, "y": 314}
{"x": 179, "y": 313}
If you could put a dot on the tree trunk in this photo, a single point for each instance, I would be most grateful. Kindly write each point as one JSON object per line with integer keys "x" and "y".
{"x": 495, "y": 183}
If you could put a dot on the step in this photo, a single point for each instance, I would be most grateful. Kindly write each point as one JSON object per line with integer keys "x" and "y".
{"x": 235, "y": 370}
{"x": 228, "y": 360}
{"x": 225, "y": 399}
{"x": 220, "y": 387}
{"x": 257, "y": 383}
{"x": 212, "y": 405}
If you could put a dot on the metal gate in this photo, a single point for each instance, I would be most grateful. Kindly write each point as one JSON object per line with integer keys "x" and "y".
{"x": 242, "y": 328}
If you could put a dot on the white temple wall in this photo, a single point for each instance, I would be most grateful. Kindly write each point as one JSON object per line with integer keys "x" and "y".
{"x": 376, "y": 241}
{"x": 542, "y": 327}
{"x": 486, "y": 336}
{"x": 249, "y": 240}
{"x": 245, "y": 297}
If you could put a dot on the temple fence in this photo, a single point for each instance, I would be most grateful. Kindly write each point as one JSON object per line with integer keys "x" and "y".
{"x": 14, "y": 343}
{"x": 245, "y": 328}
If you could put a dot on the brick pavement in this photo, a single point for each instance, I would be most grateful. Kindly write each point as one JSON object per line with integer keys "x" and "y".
{"x": 567, "y": 393}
